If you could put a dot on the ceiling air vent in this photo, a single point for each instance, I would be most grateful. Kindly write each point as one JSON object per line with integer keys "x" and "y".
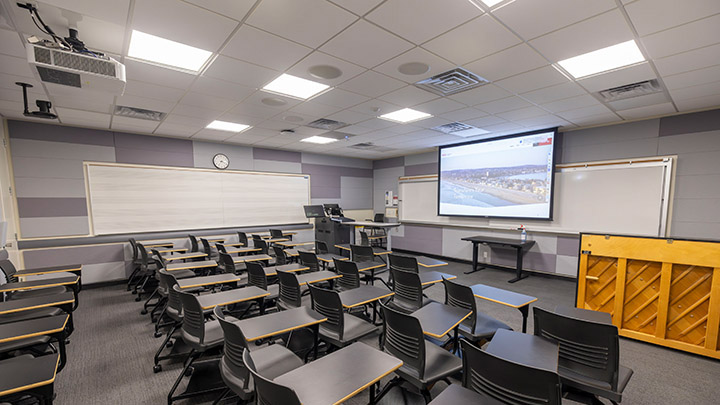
{"x": 326, "y": 124}
{"x": 371, "y": 146}
{"x": 460, "y": 129}
{"x": 139, "y": 113}
{"x": 451, "y": 82}
{"x": 631, "y": 90}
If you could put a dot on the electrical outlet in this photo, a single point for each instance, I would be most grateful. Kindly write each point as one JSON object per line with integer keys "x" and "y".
{"x": 485, "y": 255}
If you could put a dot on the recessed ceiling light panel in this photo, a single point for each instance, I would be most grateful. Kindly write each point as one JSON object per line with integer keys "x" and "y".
{"x": 295, "y": 87}
{"x": 227, "y": 126}
{"x": 602, "y": 60}
{"x": 163, "y": 51}
{"x": 319, "y": 139}
{"x": 405, "y": 115}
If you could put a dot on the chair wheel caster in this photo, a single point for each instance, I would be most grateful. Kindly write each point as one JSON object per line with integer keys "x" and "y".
{"x": 169, "y": 344}
{"x": 134, "y": 292}
{"x": 157, "y": 368}
{"x": 189, "y": 372}
{"x": 138, "y": 298}
{"x": 143, "y": 312}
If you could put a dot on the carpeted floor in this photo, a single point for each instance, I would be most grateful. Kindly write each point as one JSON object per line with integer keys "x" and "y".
{"x": 111, "y": 351}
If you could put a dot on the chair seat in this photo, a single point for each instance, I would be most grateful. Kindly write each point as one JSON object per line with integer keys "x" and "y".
{"x": 439, "y": 363}
{"x": 457, "y": 394}
{"x": 485, "y": 327}
{"x": 31, "y": 314}
{"x": 274, "y": 290}
{"x": 180, "y": 274}
{"x": 38, "y": 292}
{"x": 406, "y": 308}
{"x": 213, "y": 337}
{"x": 23, "y": 343}
{"x": 596, "y": 387}
{"x": 354, "y": 328}
{"x": 274, "y": 360}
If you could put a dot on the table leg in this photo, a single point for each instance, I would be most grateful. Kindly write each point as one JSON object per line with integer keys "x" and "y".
{"x": 316, "y": 332}
{"x": 456, "y": 341}
{"x": 372, "y": 393}
{"x": 524, "y": 310}
{"x": 474, "y": 259}
{"x": 60, "y": 337}
{"x": 519, "y": 275}
{"x": 372, "y": 276}
{"x": 261, "y": 303}
{"x": 374, "y": 312}
{"x": 389, "y": 245}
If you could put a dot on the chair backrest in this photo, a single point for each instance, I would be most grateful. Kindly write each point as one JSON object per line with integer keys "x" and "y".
{"x": 256, "y": 237}
{"x": 276, "y": 233}
{"x": 379, "y": 218}
{"x": 404, "y": 339}
{"x": 220, "y": 248}
{"x": 260, "y": 244}
{"x": 407, "y": 288}
{"x": 144, "y": 257}
{"x": 280, "y": 256}
{"x": 508, "y": 381}
{"x": 174, "y": 305}
{"x": 242, "y": 238}
{"x": 587, "y": 348}
{"x": 364, "y": 240}
{"x": 321, "y": 247}
{"x": 328, "y": 304}
{"x": 361, "y": 253}
{"x": 350, "y": 275}
{"x": 206, "y": 247}
{"x": 227, "y": 263}
{"x": 193, "y": 243}
{"x": 235, "y": 345}
{"x": 309, "y": 259}
{"x": 403, "y": 262}
{"x": 133, "y": 246}
{"x": 193, "y": 325}
{"x": 8, "y": 268}
{"x": 290, "y": 294}
{"x": 267, "y": 391}
{"x": 158, "y": 257}
{"x": 256, "y": 275}
{"x": 461, "y": 296}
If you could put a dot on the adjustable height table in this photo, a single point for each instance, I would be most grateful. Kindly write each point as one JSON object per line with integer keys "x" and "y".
{"x": 512, "y": 243}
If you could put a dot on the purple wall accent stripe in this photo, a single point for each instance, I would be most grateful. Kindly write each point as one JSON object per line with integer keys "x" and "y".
{"x": 690, "y": 123}
{"x": 425, "y": 239}
{"x": 388, "y": 163}
{"x": 313, "y": 169}
{"x": 532, "y": 260}
{"x": 416, "y": 170}
{"x": 73, "y": 255}
{"x": 57, "y": 133}
{"x": 154, "y": 157}
{"x": 324, "y": 192}
{"x": 568, "y": 245}
{"x": 134, "y": 141}
{"x": 279, "y": 155}
{"x": 51, "y": 207}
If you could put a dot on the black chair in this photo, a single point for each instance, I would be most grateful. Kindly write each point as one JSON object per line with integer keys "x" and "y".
{"x": 227, "y": 265}
{"x": 408, "y": 289}
{"x": 362, "y": 253}
{"x": 508, "y": 381}
{"x": 242, "y": 238}
{"x": 589, "y": 354}
{"x": 280, "y": 256}
{"x": 258, "y": 278}
{"x": 194, "y": 247}
{"x": 267, "y": 391}
{"x": 350, "y": 275}
{"x": 340, "y": 329}
{"x": 424, "y": 363}
{"x": 309, "y": 259}
{"x": 478, "y": 327}
{"x": 403, "y": 262}
{"x": 135, "y": 264}
{"x": 208, "y": 250}
{"x": 291, "y": 295}
{"x": 148, "y": 267}
{"x": 276, "y": 234}
{"x": 9, "y": 270}
{"x": 174, "y": 312}
{"x": 321, "y": 247}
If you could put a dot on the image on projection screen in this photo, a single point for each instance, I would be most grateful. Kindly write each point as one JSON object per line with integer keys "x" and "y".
{"x": 508, "y": 177}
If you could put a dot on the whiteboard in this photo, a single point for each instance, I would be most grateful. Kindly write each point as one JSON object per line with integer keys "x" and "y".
{"x": 603, "y": 197}
{"x": 133, "y": 198}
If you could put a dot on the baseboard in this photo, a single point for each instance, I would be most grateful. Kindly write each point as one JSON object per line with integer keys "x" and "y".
{"x": 104, "y": 284}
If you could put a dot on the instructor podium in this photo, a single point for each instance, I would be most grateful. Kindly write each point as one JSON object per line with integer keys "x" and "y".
{"x": 329, "y": 225}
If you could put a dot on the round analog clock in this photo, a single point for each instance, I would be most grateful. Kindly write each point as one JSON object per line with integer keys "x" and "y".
{"x": 221, "y": 161}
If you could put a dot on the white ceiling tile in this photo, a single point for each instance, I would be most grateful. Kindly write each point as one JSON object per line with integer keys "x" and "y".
{"x": 101, "y": 35}
{"x": 640, "y": 101}
{"x": 192, "y": 122}
{"x": 340, "y": 98}
{"x": 240, "y": 119}
{"x": 523, "y": 113}
{"x": 308, "y": 131}
{"x": 83, "y": 118}
{"x": 570, "y": 103}
{"x": 590, "y": 35}
{"x": 115, "y": 11}
{"x": 698, "y": 103}
{"x": 11, "y": 44}
{"x": 421, "y": 20}
{"x": 261, "y": 48}
{"x": 503, "y": 105}
{"x": 535, "y": 79}
{"x": 552, "y": 93}
{"x": 377, "y": 124}
{"x": 221, "y": 88}
{"x": 605, "y": 118}
{"x": 145, "y": 72}
{"x": 149, "y": 90}
{"x": 349, "y": 116}
{"x": 257, "y": 132}
{"x": 650, "y": 16}
{"x": 316, "y": 109}
{"x": 355, "y": 130}
{"x": 133, "y": 124}
{"x": 97, "y": 102}
{"x": 501, "y": 129}
{"x": 235, "y": 9}
{"x": 401, "y": 129}
{"x": 473, "y": 40}
{"x": 254, "y": 110}
{"x": 531, "y": 18}
{"x": 479, "y": 95}
{"x": 467, "y": 113}
{"x": 578, "y": 113}
{"x": 683, "y": 38}
{"x": 275, "y": 125}
{"x": 704, "y": 90}
{"x": 206, "y": 101}
{"x": 177, "y": 130}
{"x": 439, "y": 106}
{"x": 543, "y": 121}
{"x": 431, "y": 122}
{"x": 258, "y": 97}
{"x": 619, "y": 77}
{"x": 518, "y": 59}
{"x": 145, "y": 103}
{"x": 647, "y": 111}
{"x": 359, "y": 7}
{"x": 366, "y": 45}
{"x": 7, "y": 82}
{"x": 196, "y": 112}
{"x": 310, "y": 22}
{"x": 691, "y": 60}
{"x": 182, "y": 22}
{"x": 437, "y": 65}
{"x": 375, "y": 107}
{"x": 408, "y": 96}
{"x": 15, "y": 66}
{"x": 317, "y": 58}
{"x": 213, "y": 135}
{"x": 240, "y": 72}
{"x": 693, "y": 78}
{"x": 372, "y": 84}
{"x": 293, "y": 116}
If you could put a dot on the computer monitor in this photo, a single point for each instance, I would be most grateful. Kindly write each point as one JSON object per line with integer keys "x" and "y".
{"x": 314, "y": 211}
{"x": 333, "y": 209}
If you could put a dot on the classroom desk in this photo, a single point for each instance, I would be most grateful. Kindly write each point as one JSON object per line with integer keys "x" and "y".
{"x": 362, "y": 295}
{"x": 277, "y": 323}
{"x": 232, "y": 251}
{"x": 232, "y": 244}
{"x": 432, "y": 277}
{"x": 457, "y": 394}
{"x": 340, "y": 375}
{"x": 274, "y": 240}
{"x": 376, "y": 250}
{"x": 208, "y": 280}
{"x": 370, "y": 224}
{"x": 521, "y": 348}
{"x": 167, "y": 250}
{"x": 584, "y": 314}
{"x": 223, "y": 298}
{"x": 371, "y": 267}
{"x": 423, "y": 261}
{"x": 510, "y": 298}
{"x": 35, "y": 284}
{"x": 329, "y": 257}
{"x": 156, "y": 244}
{"x": 291, "y": 268}
{"x": 70, "y": 268}
{"x": 63, "y": 301}
{"x": 500, "y": 242}
{"x": 29, "y": 374}
{"x": 316, "y": 277}
{"x": 184, "y": 256}
{"x": 53, "y": 326}
{"x": 290, "y": 243}
{"x": 252, "y": 258}
{"x": 191, "y": 265}
{"x": 437, "y": 320}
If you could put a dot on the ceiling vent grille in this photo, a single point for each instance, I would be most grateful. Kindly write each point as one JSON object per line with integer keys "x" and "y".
{"x": 326, "y": 124}
{"x": 139, "y": 113}
{"x": 371, "y": 146}
{"x": 460, "y": 129}
{"x": 451, "y": 82}
{"x": 631, "y": 90}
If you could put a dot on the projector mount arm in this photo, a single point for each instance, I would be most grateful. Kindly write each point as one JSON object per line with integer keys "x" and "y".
{"x": 47, "y": 30}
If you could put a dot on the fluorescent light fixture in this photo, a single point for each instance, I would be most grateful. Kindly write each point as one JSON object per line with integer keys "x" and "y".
{"x": 166, "y": 52}
{"x": 405, "y": 115}
{"x": 602, "y": 60}
{"x": 491, "y": 3}
{"x": 227, "y": 126}
{"x": 296, "y": 87}
{"x": 319, "y": 139}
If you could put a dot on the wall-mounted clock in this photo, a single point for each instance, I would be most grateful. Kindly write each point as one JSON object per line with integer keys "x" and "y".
{"x": 221, "y": 161}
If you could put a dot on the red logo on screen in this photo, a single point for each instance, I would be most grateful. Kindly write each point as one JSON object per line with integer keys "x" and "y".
{"x": 548, "y": 141}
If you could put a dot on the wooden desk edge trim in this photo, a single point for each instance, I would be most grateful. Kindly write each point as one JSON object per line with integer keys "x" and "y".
{"x": 35, "y": 385}
{"x": 322, "y": 259}
{"x": 368, "y": 301}
{"x": 438, "y": 281}
{"x": 21, "y": 273}
{"x": 321, "y": 280}
{"x": 12, "y": 311}
{"x": 432, "y": 265}
{"x": 4, "y": 289}
{"x": 211, "y": 283}
{"x": 236, "y": 301}
{"x": 505, "y": 303}
{"x": 364, "y": 387}
{"x": 191, "y": 267}
{"x": 43, "y": 333}
{"x": 372, "y": 267}
{"x": 287, "y": 330}
{"x": 342, "y": 247}
{"x": 448, "y": 331}
{"x": 172, "y": 258}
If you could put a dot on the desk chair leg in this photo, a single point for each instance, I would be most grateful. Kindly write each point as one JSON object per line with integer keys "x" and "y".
{"x": 390, "y": 384}
{"x": 222, "y": 396}
{"x": 188, "y": 362}
{"x": 524, "y": 311}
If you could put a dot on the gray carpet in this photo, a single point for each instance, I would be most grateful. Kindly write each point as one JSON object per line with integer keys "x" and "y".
{"x": 111, "y": 351}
